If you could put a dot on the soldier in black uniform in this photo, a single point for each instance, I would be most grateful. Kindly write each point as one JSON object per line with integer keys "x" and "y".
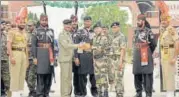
{"x": 85, "y": 58}
{"x": 43, "y": 54}
{"x": 75, "y": 64}
{"x": 144, "y": 44}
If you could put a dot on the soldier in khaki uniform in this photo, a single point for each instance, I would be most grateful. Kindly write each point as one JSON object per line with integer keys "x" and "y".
{"x": 65, "y": 58}
{"x": 168, "y": 42}
{"x": 17, "y": 49}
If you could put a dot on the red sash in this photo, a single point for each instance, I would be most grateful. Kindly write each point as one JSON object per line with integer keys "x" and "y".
{"x": 51, "y": 57}
{"x": 144, "y": 55}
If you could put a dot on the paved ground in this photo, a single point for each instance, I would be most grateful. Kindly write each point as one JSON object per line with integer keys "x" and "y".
{"x": 128, "y": 80}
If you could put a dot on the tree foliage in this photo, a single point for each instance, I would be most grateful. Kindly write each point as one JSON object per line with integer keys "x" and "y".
{"x": 108, "y": 14}
{"x": 32, "y": 16}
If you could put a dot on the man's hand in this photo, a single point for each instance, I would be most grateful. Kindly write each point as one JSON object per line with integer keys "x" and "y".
{"x": 156, "y": 61}
{"x": 84, "y": 46}
{"x": 12, "y": 61}
{"x": 81, "y": 46}
{"x": 27, "y": 63}
{"x": 155, "y": 55}
{"x": 172, "y": 62}
{"x": 77, "y": 61}
{"x": 121, "y": 66}
{"x": 87, "y": 46}
{"x": 35, "y": 61}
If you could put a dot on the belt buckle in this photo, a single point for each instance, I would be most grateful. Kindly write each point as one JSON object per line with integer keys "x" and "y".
{"x": 165, "y": 49}
{"x": 23, "y": 49}
{"x": 165, "y": 46}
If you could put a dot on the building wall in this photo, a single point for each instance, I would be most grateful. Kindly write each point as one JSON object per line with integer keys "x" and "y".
{"x": 15, "y": 6}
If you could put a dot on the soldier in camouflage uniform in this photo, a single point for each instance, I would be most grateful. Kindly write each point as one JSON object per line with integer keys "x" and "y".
{"x": 100, "y": 42}
{"x": 31, "y": 70}
{"x": 116, "y": 59}
{"x": 5, "y": 77}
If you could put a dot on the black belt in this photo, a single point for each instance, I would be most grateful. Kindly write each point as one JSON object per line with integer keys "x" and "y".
{"x": 169, "y": 46}
{"x": 87, "y": 51}
{"x": 18, "y": 49}
{"x": 98, "y": 56}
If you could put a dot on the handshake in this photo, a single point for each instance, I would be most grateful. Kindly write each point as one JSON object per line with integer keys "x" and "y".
{"x": 84, "y": 46}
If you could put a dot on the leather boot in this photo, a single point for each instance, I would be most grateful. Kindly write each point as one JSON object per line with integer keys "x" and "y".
{"x": 106, "y": 93}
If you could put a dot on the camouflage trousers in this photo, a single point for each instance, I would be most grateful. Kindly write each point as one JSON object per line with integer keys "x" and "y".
{"x": 31, "y": 76}
{"x": 101, "y": 75}
{"x": 116, "y": 76}
{"x": 5, "y": 74}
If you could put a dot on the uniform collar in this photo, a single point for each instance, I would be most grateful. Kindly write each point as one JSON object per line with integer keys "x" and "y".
{"x": 116, "y": 34}
{"x": 66, "y": 32}
{"x": 43, "y": 27}
{"x": 88, "y": 29}
{"x": 139, "y": 29}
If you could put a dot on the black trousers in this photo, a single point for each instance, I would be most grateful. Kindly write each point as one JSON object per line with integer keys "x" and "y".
{"x": 44, "y": 82}
{"x": 146, "y": 80}
{"x": 83, "y": 83}
{"x": 76, "y": 83}
{"x": 75, "y": 79}
{"x": 2, "y": 87}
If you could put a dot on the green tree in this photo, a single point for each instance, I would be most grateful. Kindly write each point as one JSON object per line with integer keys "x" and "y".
{"x": 30, "y": 16}
{"x": 35, "y": 17}
{"x": 108, "y": 14}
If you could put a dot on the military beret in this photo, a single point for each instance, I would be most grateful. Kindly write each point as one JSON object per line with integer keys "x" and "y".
{"x": 74, "y": 18}
{"x": 105, "y": 26}
{"x": 98, "y": 24}
{"x": 67, "y": 21}
{"x": 2, "y": 21}
{"x": 141, "y": 17}
{"x": 87, "y": 18}
{"x": 115, "y": 24}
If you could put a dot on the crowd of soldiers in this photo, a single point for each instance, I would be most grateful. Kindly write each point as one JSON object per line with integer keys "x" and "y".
{"x": 29, "y": 53}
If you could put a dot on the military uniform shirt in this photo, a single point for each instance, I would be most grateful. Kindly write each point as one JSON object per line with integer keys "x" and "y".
{"x": 18, "y": 39}
{"x": 118, "y": 42}
{"x": 4, "y": 55}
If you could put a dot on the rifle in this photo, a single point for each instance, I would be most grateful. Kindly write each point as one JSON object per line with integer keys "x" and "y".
{"x": 53, "y": 74}
{"x": 53, "y": 70}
